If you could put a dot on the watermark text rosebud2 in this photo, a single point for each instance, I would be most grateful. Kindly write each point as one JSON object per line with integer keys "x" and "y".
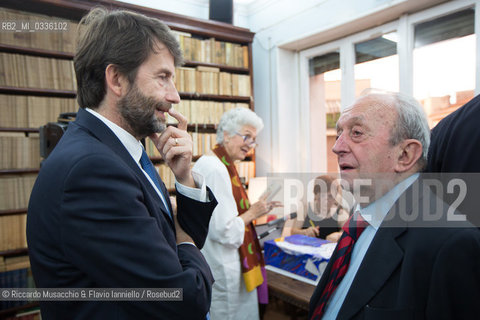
{"x": 447, "y": 204}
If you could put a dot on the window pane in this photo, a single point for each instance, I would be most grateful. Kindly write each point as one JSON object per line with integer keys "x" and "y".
{"x": 376, "y": 64}
{"x": 325, "y": 93}
{"x": 444, "y": 64}
{"x": 455, "y": 25}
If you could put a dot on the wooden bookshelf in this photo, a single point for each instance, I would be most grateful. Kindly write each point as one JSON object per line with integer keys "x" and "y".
{"x": 29, "y": 100}
{"x": 8, "y": 48}
{"x": 26, "y": 130}
{"x": 12, "y": 253}
{"x": 38, "y": 92}
{"x": 19, "y": 171}
{"x": 222, "y": 67}
{"x": 13, "y": 212}
{"x": 213, "y": 97}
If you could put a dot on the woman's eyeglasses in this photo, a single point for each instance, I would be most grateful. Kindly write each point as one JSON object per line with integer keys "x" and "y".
{"x": 252, "y": 143}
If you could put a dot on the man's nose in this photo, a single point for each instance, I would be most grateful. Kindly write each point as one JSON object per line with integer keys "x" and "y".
{"x": 340, "y": 145}
{"x": 172, "y": 95}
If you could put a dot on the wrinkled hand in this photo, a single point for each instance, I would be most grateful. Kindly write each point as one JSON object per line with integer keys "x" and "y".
{"x": 312, "y": 231}
{"x": 175, "y": 145}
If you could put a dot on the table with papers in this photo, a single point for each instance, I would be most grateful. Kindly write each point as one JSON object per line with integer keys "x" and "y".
{"x": 294, "y": 267}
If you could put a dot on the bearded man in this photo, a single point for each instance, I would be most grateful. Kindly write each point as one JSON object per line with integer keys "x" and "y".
{"x": 99, "y": 215}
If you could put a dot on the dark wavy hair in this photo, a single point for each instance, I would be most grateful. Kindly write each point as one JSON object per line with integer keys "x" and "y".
{"x": 118, "y": 37}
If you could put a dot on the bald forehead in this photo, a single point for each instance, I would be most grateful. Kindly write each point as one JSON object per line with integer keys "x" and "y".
{"x": 370, "y": 110}
{"x": 377, "y": 105}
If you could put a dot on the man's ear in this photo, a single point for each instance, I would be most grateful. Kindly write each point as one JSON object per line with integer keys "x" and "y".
{"x": 116, "y": 82}
{"x": 410, "y": 151}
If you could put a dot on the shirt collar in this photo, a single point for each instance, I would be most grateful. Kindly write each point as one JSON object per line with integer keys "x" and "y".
{"x": 375, "y": 212}
{"x": 133, "y": 146}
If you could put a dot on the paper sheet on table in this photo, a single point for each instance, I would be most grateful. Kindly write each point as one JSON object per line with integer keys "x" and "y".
{"x": 323, "y": 252}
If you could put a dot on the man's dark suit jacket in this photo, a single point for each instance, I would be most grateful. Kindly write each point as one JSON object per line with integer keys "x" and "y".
{"x": 455, "y": 140}
{"x": 455, "y": 152}
{"x": 415, "y": 268}
{"x": 94, "y": 220}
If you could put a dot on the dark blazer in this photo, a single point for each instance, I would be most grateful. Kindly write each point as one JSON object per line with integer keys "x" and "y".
{"x": 95, "y": 221}
{"x": 415, "y": 268}
{"x": 455, "y": 140}
{"x": 455, "y": 152}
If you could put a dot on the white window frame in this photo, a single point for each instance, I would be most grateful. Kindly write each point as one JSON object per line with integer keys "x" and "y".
{"x": 404, "y": 26}
{"x": 346, "y": 47}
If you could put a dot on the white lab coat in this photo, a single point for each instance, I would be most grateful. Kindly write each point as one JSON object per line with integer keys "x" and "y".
{"x": 230, "y": 299}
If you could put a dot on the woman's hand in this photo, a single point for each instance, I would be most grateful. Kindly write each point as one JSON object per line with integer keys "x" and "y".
{"x": 258, "y": 209}
{"x": 263, "y": 207}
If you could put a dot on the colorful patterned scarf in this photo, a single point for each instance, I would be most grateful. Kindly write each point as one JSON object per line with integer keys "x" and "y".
{"x": 251, "y": 258}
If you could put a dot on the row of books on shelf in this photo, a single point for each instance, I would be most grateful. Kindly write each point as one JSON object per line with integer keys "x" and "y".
{"x": 203, "y": 142}
{"x": 15, "y": 272}
{"x": 166, "y": 174}
{"x": 18, "y": 151}
{"x": 204, "y": 112}
{"x": 212, "y": 51}
{"x": 209, "y": 80}
{"x": 61, "y": 40}
{"x": 245, "y": 169}
{"x": 12, "y": 263}
{"x": 20, "y": 111}
{"x": 13, "y": 232}
{"x": 23, "y": 152}
{"x": 18, "y": 278}
{"x": 19, "y": 70}
{"x": 25, "y": 71}
{"x": 32, "y": 112}
{"x": 15, "y": 190}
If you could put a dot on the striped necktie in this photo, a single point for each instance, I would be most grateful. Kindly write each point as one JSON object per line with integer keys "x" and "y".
{"x": 353, "y": 228}
{"x": 148, "y": 167}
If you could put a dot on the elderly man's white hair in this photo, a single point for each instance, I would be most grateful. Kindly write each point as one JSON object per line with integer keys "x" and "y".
{"x": 233, "y": 120}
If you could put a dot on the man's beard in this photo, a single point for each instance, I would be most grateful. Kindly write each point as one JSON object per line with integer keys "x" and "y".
{"x": 138, "y": 112}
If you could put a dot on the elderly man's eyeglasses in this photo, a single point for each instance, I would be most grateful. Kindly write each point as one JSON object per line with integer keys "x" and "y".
{"x": 248, "y": 140}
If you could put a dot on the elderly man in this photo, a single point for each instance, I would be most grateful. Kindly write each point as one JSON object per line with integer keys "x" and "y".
{"x": 400, "y": 257}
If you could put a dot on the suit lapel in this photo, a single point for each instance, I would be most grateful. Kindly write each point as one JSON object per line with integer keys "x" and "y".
{"x": 104, "y": 134}
{"x": 380, "y": 261}
{"x": 382, "y": 257}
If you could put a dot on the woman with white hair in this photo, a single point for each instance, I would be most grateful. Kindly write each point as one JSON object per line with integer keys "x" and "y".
{"x": 232, "y": 249}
